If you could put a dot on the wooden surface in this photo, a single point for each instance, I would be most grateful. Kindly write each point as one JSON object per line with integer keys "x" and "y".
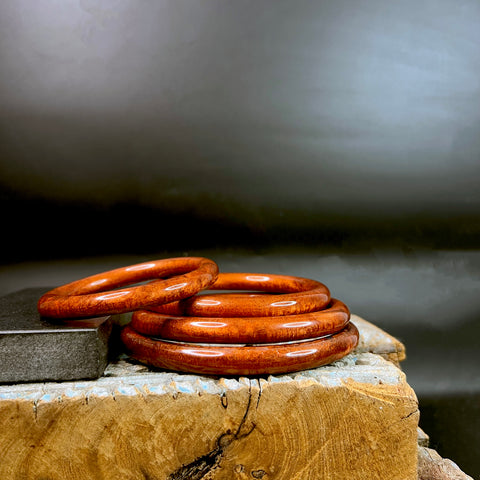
{"x": 355, "y": 419}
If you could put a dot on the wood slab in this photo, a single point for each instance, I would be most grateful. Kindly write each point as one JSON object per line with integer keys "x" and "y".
{"x": 355, "y": 419}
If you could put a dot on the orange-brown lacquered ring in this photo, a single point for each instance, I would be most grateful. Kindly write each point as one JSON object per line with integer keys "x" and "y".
{"x": 283, "y": 328}
{"x": 294, "y": 295}
{"x": 243, "y": 360}
{"x": 94, "y": 296}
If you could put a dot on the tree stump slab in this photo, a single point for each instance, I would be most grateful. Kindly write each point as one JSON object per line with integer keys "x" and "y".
{"x": 355, "y": 419}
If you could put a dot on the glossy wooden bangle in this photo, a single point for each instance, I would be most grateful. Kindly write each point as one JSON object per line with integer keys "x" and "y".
{"x": 93, "y": 296}
{"x": 294, "y": 295}
{"x": 243, "y": 329}
{"x": 243, "y": 360}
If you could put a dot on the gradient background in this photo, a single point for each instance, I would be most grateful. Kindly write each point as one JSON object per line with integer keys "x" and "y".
{"x": 338, "y": 140}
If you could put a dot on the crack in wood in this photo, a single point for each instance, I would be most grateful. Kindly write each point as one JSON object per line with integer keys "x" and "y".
{"x": 259, "y": 392}
{"x": 410, "y": 414}
{"x": 201, "y": 466}
{"x": 401, "y": 419}
{"x": 206, "y": 464}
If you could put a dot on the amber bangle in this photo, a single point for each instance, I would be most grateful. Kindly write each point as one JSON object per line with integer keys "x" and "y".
{"x": 294, "y": 295}
{"x": 240, "y": 360}
{"x": 93, "y": 296}
{"x": 243, "y": 329}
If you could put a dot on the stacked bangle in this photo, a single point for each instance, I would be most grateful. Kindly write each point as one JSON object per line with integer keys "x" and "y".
{"x": 296, "y": 325}
{"x": 269, "y": 324}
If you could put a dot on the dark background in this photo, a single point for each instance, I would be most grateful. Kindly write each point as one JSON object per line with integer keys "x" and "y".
{"x": 338, "y": 140}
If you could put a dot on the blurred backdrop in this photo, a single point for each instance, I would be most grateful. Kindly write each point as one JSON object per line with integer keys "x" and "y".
{"x": 338, "y": 140}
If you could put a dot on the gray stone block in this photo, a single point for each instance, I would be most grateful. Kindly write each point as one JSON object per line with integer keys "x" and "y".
{"x": 34, "y": 349}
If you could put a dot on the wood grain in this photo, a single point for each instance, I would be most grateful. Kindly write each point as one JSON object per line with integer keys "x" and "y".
{"x": 354, "y": 419}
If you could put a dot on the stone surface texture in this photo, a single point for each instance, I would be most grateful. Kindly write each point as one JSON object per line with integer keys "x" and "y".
{"x": 423, "y": 439}
{"x": 375, "y": 340}
{"x": 33, "y": 349}
{"x": 431, "y": 466}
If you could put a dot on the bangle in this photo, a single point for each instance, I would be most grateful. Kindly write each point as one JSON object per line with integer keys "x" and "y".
{"x": 243, "y": 329}
{"x": 93, "y": 296}
{"x": 240, "y": 360}
{"x": 294, "y": 295}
